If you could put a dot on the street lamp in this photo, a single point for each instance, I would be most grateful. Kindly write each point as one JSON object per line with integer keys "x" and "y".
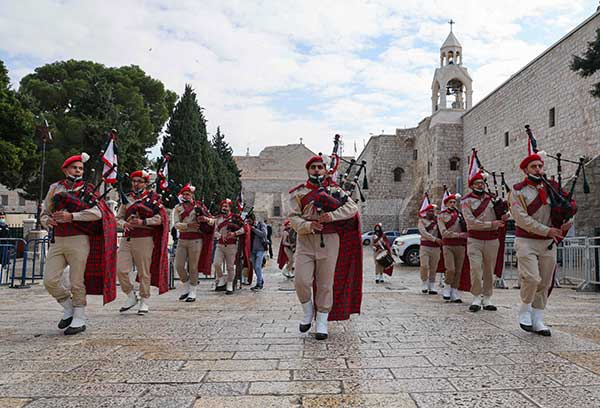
{"x": 43, "y": 132}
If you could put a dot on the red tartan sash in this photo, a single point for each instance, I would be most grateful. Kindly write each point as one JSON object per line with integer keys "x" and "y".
{"x": 484, "y": 204}
{"x": 70, "y": 201}
{"x": 191, "y": 235}
{"x": 483, "y": 235}
{"x": 320, "y": 199}
{"x": 231, "y": 226}
{"x": 148, "y": 207}
{"x": 521, "y": 233}
{"x": 453, "y": 219}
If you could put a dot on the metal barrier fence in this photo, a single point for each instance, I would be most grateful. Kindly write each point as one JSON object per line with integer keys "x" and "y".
{"x": 577, "y": 258}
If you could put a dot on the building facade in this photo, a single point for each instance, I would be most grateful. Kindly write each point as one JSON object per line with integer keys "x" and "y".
{"x": 545, "y": 94}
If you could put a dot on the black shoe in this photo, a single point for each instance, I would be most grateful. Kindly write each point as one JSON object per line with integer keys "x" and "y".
{"x": 221, "y": 288}
{"x": 184, "y": 297}
{"x": 304, "y": 327}
{"x": 545, "y": 333}
{"x": 424, "y": 291}
{"x": 190, "y": 300}
{"x": 64, "y": 323}
{"x": 257, "y": 287}
{"x": 320, "y": 336}
{"x": 433, "y": 292}
{"x": 229, "y": 292}
{"x": 526, "y": 327}
{"x": 74, "y": 330}
{"x": 490, "y": 308}
{"x": 456, "y": 301}
{"x": 446, "y": 298}
{"x": 474, "y": 308}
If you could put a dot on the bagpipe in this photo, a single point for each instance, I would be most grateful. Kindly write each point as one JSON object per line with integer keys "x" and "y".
{"x": 499, "y": 201}
{"x": 562, "y": 205}
{"x": 348, "y": 181}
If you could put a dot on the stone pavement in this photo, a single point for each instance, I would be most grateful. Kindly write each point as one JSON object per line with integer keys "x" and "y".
{"x": 404, "y": 350}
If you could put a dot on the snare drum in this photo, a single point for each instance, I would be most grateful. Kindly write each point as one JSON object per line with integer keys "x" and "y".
{"x": 384, "y": 259}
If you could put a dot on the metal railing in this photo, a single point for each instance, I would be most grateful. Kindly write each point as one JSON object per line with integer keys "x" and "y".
{"x": 577, "y": 258}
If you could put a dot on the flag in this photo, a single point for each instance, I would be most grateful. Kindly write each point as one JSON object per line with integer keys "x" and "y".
{"x": 109, "y": 158}
{"x": 424, "y": 204}
{"x": 164, "y": 177}
{"x": 446, "y": 194}
{"x": 355, "y": 151}
{"x": 240, "y": 201}
{"x": 473, "y": 164}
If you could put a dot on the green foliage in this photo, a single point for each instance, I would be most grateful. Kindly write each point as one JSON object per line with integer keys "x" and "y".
{"x": 210, "y": 167}
{"x": 83, "y": 100}
{"x": 19, "y": 160}
{"x": 589, "y": 63}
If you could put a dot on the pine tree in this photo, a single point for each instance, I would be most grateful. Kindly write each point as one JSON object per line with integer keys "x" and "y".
{"x": 229, "y": 174}
{"x": 192, "y": 157}
{"x": 589, "y": 63}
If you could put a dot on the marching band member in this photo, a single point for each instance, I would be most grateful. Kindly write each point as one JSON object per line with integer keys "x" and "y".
{"x": 286, "y": 250}
{"x": 144, "y": 244}
{"x": 429, "y": 250}
{"x": 380, "y": 245}
{"x": 328, "y": 246}
{"x": 85, "y": 238}
{"x": 454, "y": 246}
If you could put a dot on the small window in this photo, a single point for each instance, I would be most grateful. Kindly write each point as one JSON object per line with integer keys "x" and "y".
{"x": 398, "y": 171}
{"x": 506, "y": 139}
{"x": 277, "y": 211}
{"x": 22, "y": 201}
{"x": 485, "y": 130}
{"x": 415, "y": 154}
{"x": 4, "y": 199}
{"x": 454, "y": 163}
{"x": 552, "y": 117}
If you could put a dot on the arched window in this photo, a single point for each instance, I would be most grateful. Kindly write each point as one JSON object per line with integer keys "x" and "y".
{"x": 454, "y": 163}
{"x": 398, "y": 171}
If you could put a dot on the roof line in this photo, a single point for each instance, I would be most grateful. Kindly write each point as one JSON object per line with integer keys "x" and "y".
{"x": 569, "y": 34}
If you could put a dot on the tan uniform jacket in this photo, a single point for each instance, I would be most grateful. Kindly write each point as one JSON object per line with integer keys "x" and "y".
{"x": 454, "y": 231}
{"x": 484, "y": 221}
{"x": 223, "y": 231}
{"x": 538, "y": 223}
{"x": 182, "y": 225}
{"x": 422, "y": 225}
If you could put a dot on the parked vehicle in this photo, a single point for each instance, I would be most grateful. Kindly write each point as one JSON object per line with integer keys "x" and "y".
{"x": 408, "y": 231}
{"x": 367, "y": 237}
{"x": 406, "y": 247}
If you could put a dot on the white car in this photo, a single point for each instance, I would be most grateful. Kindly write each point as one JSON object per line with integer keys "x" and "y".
{"x": 406, "y": 247}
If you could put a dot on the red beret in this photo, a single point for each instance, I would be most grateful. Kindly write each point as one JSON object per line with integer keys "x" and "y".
{"x": 141, "y": 174}
{"x": 226, "y": 201}
{"x": 529, "y": 159}
{"x": 476, "y": 176}
{"x": 314, "y": 159}
{"x": 287, "y": 222}
{"x": 449, "y": 197}
{"x": 187, "y": 187}
{"x": 83, "y": 157}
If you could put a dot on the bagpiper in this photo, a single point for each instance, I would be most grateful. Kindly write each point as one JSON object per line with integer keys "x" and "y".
{"x": 328, "y": 249}
{"x": 85, "y": 240}
{"x": 430, "y": 246}
{"x": 144, "y": 244}
{"x": 194, "y": 247}
{"x": 454, "y": 246}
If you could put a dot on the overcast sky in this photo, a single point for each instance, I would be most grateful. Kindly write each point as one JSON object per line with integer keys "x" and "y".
{"x": 270, "y": 72}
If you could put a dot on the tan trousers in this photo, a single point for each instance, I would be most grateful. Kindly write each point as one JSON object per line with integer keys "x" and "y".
{"x": 536, "y": 265}
{"x": 318, "y": 264}
{"x": 225, "y": 254}
{"x": 429, "y": 258}
{"x": 138, "y": 251}
{"x": 454, "y": 258}
{"x": 188, "y": 250}
{"x": 482, "y": 259}
{"x": 72, "y": 251}
{"x": 290, "y": 254}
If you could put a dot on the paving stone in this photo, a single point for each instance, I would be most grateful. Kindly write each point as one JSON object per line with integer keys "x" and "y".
{"x": 250, "y": 401}
{"x": 587, "y": 359}
{"x": 83, "y": 402}
{"x": 441, "y": 372}
{"x": 248, "y": 376}
{"x": 312, "y": 363}
{"x": 231, "y": 365}
{"x": 395, "y": 386}
{"x": 388, "y": 362}
{"x": 565, "y": 397}
{"x": 401, "y": 400}
{"x": 502, "y": 382}
{"x": 188, "y": 355}
{"x": 495, "y": 399}
{"x": 295, "y": 387}
{"x": 13, "y": 402}
{"x": 343, "y": 374}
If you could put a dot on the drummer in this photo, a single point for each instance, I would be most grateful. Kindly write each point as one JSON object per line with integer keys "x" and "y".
{"x": 381, "y": 254}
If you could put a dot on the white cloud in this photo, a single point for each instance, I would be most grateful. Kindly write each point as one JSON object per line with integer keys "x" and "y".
{"x": 359, "y": 66}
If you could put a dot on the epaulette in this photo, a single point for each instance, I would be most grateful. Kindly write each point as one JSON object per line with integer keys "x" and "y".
{"x": 519, "y": 186}
{"x": 299, "y": 186}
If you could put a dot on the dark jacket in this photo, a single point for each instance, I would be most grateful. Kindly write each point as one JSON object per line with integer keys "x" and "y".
{"x": 259, "y": 236}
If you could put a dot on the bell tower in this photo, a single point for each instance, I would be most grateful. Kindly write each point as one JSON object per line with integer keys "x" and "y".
{"x": 452, "y": 87}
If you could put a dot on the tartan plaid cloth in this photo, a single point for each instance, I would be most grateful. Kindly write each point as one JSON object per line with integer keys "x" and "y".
{"x": 71, "y": 202}
{"x": 347, "y": 281}
{"x": 282, "y": 257}
{"x": 159, "y": 268}
{"x": 205, "y": 261}
{"x": 100, "y": 271}
{"x": 245, "y": 246}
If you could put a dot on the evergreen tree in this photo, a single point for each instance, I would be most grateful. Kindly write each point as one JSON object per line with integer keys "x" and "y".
{"x": 589, "y": 63}
{"x": 229, "y": 174}
{"x": 192, "y": 158}
{"x": 19, "y": 160}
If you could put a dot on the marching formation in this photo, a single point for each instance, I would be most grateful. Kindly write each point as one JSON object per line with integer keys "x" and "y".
{"x": 320, "y": 247}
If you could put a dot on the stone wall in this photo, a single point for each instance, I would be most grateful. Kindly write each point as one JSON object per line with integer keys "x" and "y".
{"x": 11, "y": 202}
{"x": 587, "y": 220}
{"x": 526, "y": 98}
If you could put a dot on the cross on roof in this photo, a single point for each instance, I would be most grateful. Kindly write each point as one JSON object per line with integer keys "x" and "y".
{"x": 451, "y": 22}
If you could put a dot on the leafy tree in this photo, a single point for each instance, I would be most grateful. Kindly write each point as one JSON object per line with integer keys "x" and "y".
{"x": 192, "y": 157}
{"x": 19, "y": 160}
{"x": 82, "y": 100}
{"x": 589, "y": 63}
